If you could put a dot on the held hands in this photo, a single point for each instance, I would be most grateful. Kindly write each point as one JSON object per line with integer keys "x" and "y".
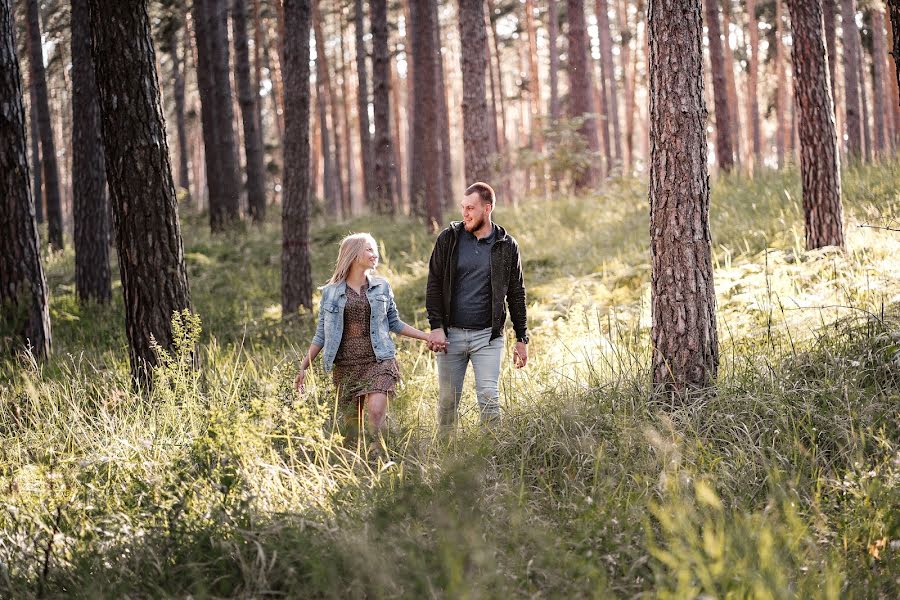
{"x": 299, "y": 381}
{"x": 520, "y": 354}
{"x": 437, "y": 341}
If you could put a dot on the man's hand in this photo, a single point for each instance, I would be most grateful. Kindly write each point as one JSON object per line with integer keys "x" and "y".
{"x": 437, "y": 341}
{"x": 298, "y": 382}
{"x": 520, "y": 354}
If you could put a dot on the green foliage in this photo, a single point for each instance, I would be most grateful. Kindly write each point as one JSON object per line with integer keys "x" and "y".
{"x": 224, "y": 483}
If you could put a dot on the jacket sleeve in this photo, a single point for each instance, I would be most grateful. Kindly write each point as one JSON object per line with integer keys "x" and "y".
{"x": 393, "y": 315}
{"x": 319, "y": 337}
{"x": 515, "y": 295}
{"x": 434, "y": 290}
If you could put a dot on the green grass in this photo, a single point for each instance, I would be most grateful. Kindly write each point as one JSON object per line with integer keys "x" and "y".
{"x": 221, "y": 483}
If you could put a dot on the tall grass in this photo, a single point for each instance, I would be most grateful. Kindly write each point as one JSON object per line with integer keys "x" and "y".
{"x": 222, "y": 483}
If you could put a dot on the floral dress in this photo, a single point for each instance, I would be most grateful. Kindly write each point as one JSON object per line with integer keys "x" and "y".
{"x": 356, "y": 370}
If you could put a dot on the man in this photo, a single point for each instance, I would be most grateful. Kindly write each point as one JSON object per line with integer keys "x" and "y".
{"x": 474, "y": 272}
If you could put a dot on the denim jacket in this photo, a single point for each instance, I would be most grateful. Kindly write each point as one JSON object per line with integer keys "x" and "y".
{"x": 385, "y": 318}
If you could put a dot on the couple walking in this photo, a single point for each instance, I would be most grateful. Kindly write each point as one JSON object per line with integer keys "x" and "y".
{"x": 475, "y": 271}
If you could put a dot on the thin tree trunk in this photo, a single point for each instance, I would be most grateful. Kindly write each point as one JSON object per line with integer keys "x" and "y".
{"x": 502, "y": 137}
{"x": 581, "y": 101}
{"x": 781, "y": 133}
{"x": 343, "y": 67}
{"x": 248, "y": 98}
{"x": 534, "y": 93}
{"x": 257, "y": 69}
{"x": 24, "y": 314}
{"x": 609, "y": 85}
{"x": 36, "y": 166}
{"x": 90, "y": 205}
{"x": 48, "y": 146}
{"x": 446, "y": 157}
{"x": 724, "y": 150}
{"x": 178, "y": 95}
{"x": 882, "y": 116}
{"x": 362, "y": 97}
{"x": 396, "y": 200}
{"x": 853, "y": 106}
{"x": 323, "y": 71}
{"x": 752, "y": 85}
{"x": 383, "y": 191}
{"x": 329, "y": 181}
{"x": 819, "y": 158}
{"x": 151, "y": 256}
{"x": 893, "y": 24}
{"x": 225, "y": 124}
{"x": 829, "y": 17}
{"x": 864, "y": 105}
{"x": 629, "y": 73}
{"x": 296, "y": 273}
{"x": 735, "y": 112}
{"x": 476, "y": 119}
{"x": 425, "y": 152}
{"x": 553, "y": 32}
{"x": 683, "y": 301}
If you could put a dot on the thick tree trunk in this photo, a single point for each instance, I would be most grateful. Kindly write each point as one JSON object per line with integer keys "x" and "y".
{"x": 425, "y": 180}
{"x": 754, "y": 126}
{"x": 852, "y": 104}
{"x": 24, "y": 316}
{"x": 90, "y": 205}
{"x": 581, "y": 100}
{"x": 476, "y": 118}
{"x": 362, "y": 104}
{"x": 248, "y": 98}
{"x": 36, "y": 169}
{"x": 296, "y": 273}
{"x": 553, "y": 33}
{"x": 151, "y": 257}
{"x": 323, "y": 72}
{"x": 819, "y": 159}
{"x": 724, "y": 149}
{"x": 609, "y": 86}
{"x": 684, "y": 340}
{"x": 383, "y": 191}
{"x": 45, "y": 128}
{"x": 178, "y": 96}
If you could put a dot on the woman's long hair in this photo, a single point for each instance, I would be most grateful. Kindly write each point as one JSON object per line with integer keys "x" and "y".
{"x": 351, "y": 247}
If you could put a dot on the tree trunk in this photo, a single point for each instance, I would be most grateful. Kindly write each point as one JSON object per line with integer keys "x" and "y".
{"x": 24, "y": 315}
{"x": 724, "y": 149}
{"x": 629, "y": 72}
{"x": 684, "y": 340}
{"x": 864, "y": 104}
{"x": 734, "y": 112}
{"x": 446, "y": 156}
{"x": 425, "y": 176}
{"x": 296, "y": 273}
{"x": 581, "y": 100}
{"x": 893, "y": 24}
{"x": 852, "y": 103}
{"x": 534, "y": 95}
{"x": 178, "y": 96}
{"x": 345, "y": 117}
{"x": 257, "y": 70}
{"x": 48, "y": 146}
{"x": 609, "y": 86}
{"x": 829, "y": 17}
{"x": 819, "y": 159}
{"x": 782, "y": 131}
{"x": 381, "y": 63}
{"x": 505, "y": 191}
{"x": 323, "y": 72}
{"x": 36, "y": 169}
{"x": 396, "y": 199}
{"x": 362, "y": 97}
{"x": 476, "y": 118}
{"x": 151, "y": 256}
{"x": 879, "y": 56}
{"x": 553, "y": 32}
{"x": 248, "y": 98}
{"x": 753, "y": 84}
{"x": 90, "y": 205}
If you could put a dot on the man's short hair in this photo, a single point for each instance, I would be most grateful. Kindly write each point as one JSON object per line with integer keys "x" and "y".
{"x": 484, "y": 191}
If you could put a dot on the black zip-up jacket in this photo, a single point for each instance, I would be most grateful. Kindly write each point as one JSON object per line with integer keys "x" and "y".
{"x": 507, "y": 282}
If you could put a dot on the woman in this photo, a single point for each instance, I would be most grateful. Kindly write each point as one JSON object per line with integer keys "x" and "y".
{"x": 356, "y": 313}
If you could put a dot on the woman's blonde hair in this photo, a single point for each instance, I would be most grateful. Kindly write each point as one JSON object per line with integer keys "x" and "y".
{"x": 351, "y": 247}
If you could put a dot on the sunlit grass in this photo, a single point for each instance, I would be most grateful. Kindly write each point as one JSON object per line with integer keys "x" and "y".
{"x": 222, "y": 483}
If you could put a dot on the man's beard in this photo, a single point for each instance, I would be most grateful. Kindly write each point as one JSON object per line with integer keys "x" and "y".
{"x": 476, "y": 225}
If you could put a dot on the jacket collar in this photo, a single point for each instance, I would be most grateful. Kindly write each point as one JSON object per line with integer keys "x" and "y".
{"x": 371, "y": 280}
{"x": 457, "y": 227}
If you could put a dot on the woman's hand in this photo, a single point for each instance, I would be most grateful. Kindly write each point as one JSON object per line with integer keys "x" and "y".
{"x": 298, "y": 382}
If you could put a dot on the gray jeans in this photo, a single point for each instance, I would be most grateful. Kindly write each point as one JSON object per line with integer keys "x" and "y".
{"x": 464, "y": 345}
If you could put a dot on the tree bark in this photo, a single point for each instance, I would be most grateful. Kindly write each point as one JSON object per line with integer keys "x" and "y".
{"x": 425, "y": 176}
{"x": 45, "y": 127}
{"x": 383, "y": 191}
{"x": 829, "y": 17}
{"x": 684, "y": 340}
{"x": 864, "y": 104}
{"x": 782, "y": 131}
{"x": 893, "y": 24}
{"x": 178, "y": 96}
{"x": 879, "y": 57}
{"x": 724, "y": 149}
{"x": 296, "y": 273}
{"x": 753, "y": 85}
{"x": 362, "y": 97}
{"x": 734, "y": 111}
{"x": 476, "y": 118}
{"x": 629, "y": 71}
{"x": 396, "y": 200}
{"x": 24, "y": 314}
{"x": 581, "y": 101}
{"x": 819, "y": 159}
{"x": 323, "y": 71}
{"x": 852, "y": 104}
{"x": 553, "y": 33}
{"x": 35, "y": 157}
{"x": 342, "y": 67}
{"x": 609, "y": 87}
{"x": 534, "y": 95}
{"x": 446, "y": 156}
{"x": 248, "y": 98}
{"x": 90, "y": 205}
{"x": 151, "y": 256}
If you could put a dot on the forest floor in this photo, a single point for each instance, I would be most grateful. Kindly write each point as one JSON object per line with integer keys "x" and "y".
{"x": 222, "y": 483}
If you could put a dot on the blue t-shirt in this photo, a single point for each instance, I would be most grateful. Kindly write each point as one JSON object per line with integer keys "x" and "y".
{"x": 472, "y": 281}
